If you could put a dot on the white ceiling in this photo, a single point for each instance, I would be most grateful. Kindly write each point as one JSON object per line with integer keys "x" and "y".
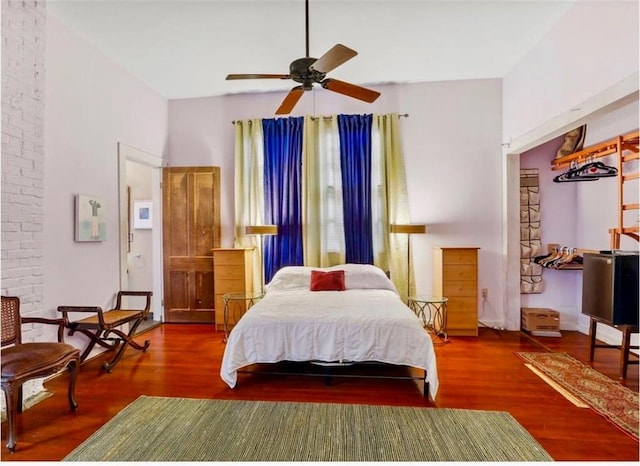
{"x": 185, "y": 48}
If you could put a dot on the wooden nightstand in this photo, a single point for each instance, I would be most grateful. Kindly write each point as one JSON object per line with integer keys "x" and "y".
{"x": 455, "y": 275}
{"x": 232, "y": 273}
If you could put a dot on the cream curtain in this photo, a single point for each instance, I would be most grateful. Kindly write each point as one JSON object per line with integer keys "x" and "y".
{"x": 249, "y": 187}
{"x": 322, "y": 215}
{"x": 390, "y": 250}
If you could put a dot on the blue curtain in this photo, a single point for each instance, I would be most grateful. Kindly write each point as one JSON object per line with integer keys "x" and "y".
{"x": 355, "y": 164}
{"x": 283, "y": 192}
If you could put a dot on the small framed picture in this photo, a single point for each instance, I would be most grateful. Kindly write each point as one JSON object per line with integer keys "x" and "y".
{"x": 142, "y": 215}
{"x": 90, "y": 224}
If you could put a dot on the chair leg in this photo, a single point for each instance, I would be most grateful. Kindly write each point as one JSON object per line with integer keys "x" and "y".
{"x": 11, "y": 397}
{"x": 73, "y": 375}
{"x": 19, "y": 396}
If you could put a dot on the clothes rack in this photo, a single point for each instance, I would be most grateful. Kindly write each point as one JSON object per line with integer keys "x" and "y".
{"x": 625, "y": 147}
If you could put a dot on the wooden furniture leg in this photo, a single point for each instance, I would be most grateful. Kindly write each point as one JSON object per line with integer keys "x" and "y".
{"x": 94, "y": 337}
{"x": 592, "y": 338}
{"x": 124, "y": 340}
{"x": 625, "y": 348}
{"x": 624, "y": 351}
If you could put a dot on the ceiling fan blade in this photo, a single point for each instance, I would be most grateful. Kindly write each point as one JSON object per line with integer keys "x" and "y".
{"x": 257, "y": 76}
{"x": 290, "y": 101}
{"x": 351, "y": 90}
{"x": 336, "y": 56}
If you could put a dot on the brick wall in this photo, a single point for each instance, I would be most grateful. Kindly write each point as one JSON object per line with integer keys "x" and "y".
{"x": 22, "y": 183}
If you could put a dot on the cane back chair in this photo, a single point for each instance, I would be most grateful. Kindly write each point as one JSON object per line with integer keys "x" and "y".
{"x": 25, "y": 361}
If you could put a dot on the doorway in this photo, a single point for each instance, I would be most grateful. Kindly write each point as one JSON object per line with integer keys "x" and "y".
{"x": 140, "y": 242}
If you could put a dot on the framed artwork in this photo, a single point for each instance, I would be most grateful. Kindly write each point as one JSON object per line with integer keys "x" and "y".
{"x": 142, "y": 215}
{"x": 90, "y": 223}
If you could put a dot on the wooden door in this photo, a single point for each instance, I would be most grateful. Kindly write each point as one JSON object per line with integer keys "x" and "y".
{"x": 191, "y": 229}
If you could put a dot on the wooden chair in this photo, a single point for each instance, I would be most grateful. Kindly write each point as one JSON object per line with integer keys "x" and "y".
{"x": 25, "y": 361}
{"x": 102, "y": 328}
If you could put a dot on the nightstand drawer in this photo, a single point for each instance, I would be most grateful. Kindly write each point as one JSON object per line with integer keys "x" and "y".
{"x": 460, "y": 256}
{"x": 223, "y": 258}
{"x": 459, "y": 288}
{"x": 229, "y": 286}
{"x": 230, "y": 272}
{"x": 459, "y": 272}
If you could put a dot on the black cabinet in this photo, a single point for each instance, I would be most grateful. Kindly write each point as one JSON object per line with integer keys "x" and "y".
{"x": 610, "y": 287}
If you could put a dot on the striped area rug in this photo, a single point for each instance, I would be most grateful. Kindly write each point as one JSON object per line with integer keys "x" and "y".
{"x": 608, "y": 397}
{"x": 182, "y": 429}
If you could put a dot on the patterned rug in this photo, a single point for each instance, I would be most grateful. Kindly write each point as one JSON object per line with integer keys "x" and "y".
{"x": 182, "y": 429}
{"x": 608, "y": 397}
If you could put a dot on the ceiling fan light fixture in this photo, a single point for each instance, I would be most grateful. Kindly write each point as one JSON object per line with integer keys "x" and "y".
{"x": 308, "y": 70}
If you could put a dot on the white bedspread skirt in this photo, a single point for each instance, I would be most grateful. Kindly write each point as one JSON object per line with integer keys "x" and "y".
{"x": 351, "y": 325}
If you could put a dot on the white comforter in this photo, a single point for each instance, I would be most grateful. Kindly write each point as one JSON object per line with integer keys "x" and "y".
{"x": 351, "y": 325}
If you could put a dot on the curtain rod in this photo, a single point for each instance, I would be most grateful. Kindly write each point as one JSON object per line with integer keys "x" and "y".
{"x": 400, "y": 115}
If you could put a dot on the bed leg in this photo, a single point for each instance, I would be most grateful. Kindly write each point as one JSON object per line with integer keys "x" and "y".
{"x": 327, "y": 376}
{"x": 425, "y": 386}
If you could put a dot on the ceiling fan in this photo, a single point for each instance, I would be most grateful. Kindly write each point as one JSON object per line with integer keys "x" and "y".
{"x": 308, "y": 70}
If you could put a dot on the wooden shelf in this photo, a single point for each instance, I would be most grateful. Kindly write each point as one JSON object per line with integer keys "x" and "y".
{"x": 626, "y": 148}
{"x": 627, "y": 142}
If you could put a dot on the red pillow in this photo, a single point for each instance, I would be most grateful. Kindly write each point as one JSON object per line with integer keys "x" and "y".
{"x": 327, "y": 281}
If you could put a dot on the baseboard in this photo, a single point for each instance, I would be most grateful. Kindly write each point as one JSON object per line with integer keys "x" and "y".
{"x": 494, "y": 324}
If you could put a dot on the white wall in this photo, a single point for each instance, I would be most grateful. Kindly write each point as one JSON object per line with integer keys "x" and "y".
{"x": 452, "y": 156}
{"x": 590, "y": 49}
{"x": 91, "y": 105}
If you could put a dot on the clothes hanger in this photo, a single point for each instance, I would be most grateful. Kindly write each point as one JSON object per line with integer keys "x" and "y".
{"x": 568, "y": 256}
{"x": 590, "y": 171}
{"x": 552, "y": 264}
{"x": 569, "y": 175}
{"x": 543, "y": 261}
{"x": 594, "y": 170}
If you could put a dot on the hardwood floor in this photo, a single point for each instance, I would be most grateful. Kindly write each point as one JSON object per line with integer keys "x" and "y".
{"x": 475, "y": 373}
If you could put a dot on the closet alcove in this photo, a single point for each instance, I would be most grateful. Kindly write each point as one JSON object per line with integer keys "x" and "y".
{"x": 580, "y": 215}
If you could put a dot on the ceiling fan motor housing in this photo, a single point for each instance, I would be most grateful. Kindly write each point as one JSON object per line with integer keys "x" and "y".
{"x": 300, "y": 71}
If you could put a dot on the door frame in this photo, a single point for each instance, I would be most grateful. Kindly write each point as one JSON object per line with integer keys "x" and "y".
{"x": 129, "y": 153}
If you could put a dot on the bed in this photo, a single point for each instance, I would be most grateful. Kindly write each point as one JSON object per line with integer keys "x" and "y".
{"x": 361, "y": 319}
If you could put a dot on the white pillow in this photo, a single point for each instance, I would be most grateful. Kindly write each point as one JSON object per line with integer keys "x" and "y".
{"x": 293, "y": 277}
{"x": 364, "y": 276}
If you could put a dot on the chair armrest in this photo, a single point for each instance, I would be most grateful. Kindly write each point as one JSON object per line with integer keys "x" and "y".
{"x": 61, "y": 323}
{"x": 93, "y": 309}
{"x": 148, "y": 294}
